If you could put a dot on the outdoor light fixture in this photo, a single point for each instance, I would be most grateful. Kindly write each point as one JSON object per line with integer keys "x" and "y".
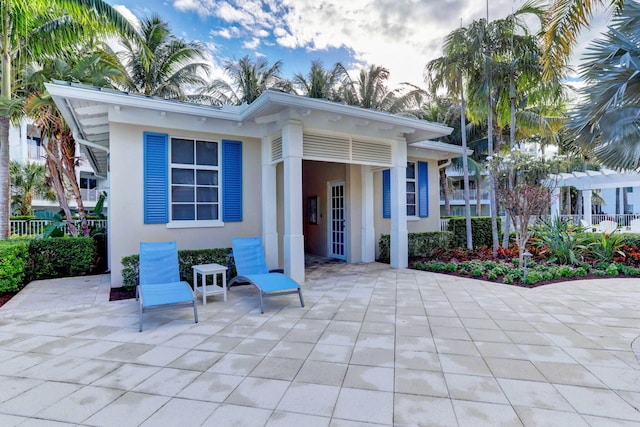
{"x": 526, "y": 255}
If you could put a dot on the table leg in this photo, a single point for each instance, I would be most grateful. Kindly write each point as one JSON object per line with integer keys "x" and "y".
{"x": 204, "y": 289}
{"x": 224, "y": 286}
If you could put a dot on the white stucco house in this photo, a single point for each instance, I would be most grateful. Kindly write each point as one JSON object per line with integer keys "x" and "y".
{"x": 306, "y": 175}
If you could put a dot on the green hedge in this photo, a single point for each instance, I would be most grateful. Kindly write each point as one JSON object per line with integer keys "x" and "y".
{"x": 60, "y": 257}
{"x": 480, "y": 230}
{"x": 419, "y": 244}
{"x": 186, "y": 260}
{"x": 13, "y": 259}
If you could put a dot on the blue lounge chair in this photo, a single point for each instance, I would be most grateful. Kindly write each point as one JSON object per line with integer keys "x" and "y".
{"x": 252, "y": 268}
{"x": 160, "y": 285}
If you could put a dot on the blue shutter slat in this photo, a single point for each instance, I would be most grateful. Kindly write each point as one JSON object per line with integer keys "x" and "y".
{"x": 386, "y": 193}
{"x": 156, "y": 178}
{"x": 423, "y": 189}
{"x": 231, "y": 181}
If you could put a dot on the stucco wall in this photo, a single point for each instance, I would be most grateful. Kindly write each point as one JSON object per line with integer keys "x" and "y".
{"x": 431, "y": 223}
{"x": 126, "y": 225}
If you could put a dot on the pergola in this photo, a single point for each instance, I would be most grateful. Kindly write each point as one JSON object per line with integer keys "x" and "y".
{"x": 589, "y": 181}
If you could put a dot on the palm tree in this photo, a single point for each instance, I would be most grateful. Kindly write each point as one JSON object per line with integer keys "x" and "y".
{"x": 249, "y": 79}
{"x": 605, "y": 122}
{"x": 319, "y": 82}
{"x": 158, "y": 63}
{"x": 28, "y": 180}
{"x": 562, "y": 25}
{"x": 36, "y": 28}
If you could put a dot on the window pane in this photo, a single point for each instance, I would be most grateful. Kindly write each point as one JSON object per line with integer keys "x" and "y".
{"x": 205, "y": 177}
{"x": 411, "y": 199}
{"x": 207, "y": 194}
{"x": 182, "y": 176}
{"x": 183, "y": 212}
{"x": 411, "y": 210}
{"x": 411, "y": 187}
{"x": 181, "y": 193}
{"x": 206, "y": 153}
{"x": 207, "y": 212}
{"x": 411, "y": 170}
{"x": 182, "y": 151}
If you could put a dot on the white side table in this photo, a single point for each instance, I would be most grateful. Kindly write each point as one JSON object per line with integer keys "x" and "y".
{"x": 210, "y": 269}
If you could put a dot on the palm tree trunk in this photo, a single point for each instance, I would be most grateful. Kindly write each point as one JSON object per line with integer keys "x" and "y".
{"x": 444, "y": 185}
{"x": 55, "y": 169}
{"x": 5, "y": 180}
{"x": 465, "y": 167}
{"x": 578, "y": 207}
{"x": 625, "y": 201}
{"x": 478, "y": 194}
{"x": 512, "y": 141}
{"x": 69, "y": 170}
{"x": 617, "y": 201}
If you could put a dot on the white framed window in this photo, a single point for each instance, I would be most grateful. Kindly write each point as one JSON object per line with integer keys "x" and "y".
{"x": 194, "y": 179}
{"x": 412, "y": 186}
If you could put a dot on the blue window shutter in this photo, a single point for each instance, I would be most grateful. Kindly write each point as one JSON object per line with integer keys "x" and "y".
{"x": 386, "y": 193}
{"x": 231, "y": 181}
{"x": 423, "y": 189}
{"x": 156, "y": 178}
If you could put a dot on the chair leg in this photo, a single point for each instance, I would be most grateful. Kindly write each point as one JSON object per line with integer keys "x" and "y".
{"x": 261, "y": 303}
{"x": 140, "y": 317}
{"x": 195, "y": 311}
{"x": 300, "y": 295}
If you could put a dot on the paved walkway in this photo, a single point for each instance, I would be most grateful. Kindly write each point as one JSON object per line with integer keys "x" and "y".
{"x": 373, "y": 346}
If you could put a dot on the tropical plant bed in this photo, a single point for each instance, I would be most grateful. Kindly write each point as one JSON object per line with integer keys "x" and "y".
{"x": 480, "y": 264}
{"x": 118, "y": 294}
{"x": 4, "y": 298}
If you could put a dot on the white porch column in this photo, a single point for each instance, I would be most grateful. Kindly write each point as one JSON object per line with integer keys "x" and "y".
{"x": 399, "y": 232}
{"x": 586, "y": 205}
{"x": 293, "y": 235}
{"x": 368, "y": 228}
{"x": 555, "y": 202}
{"x": 269, "y": 207}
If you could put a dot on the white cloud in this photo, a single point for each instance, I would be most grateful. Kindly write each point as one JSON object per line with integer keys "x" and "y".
{"x": 251, "y": 44}
{"x": 124, "y": 11}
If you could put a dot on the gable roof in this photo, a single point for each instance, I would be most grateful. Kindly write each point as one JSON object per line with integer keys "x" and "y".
{"x": 88, "y": 110}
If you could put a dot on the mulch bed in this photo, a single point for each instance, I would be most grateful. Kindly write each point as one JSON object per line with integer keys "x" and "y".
{"x": 6, "y": 297}
{"x": 118, "y": 294}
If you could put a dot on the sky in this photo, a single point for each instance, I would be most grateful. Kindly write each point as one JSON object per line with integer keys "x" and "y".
{"x": 400, "y": 35}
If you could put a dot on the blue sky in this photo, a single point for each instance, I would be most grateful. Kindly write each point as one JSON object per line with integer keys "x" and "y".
{"x": 401, "y": 35}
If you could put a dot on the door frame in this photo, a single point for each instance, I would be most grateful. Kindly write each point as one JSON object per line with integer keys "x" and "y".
{"x": 330, "y": 185}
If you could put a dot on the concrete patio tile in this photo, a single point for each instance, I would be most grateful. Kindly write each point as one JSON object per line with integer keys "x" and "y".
{"x": 404, "y": 342}
{"x": 604, "y": 421}
{"x": 420, "y": 360}
{"x": 331, "y": 353}
{"x": 185, "y": 340}
{"x": 549, "y": 418}
{"x": 219, "y": 343}
{"x": 475, "y": 388}
{"x": 382, "y": 357}
{"x": 288, "y": 419}
{"x": 533, "y": 394}
{"x": 338, "y": 337}
{"x": 92, "y": 349}
{"x": 167, "y": 382}
{"x": 423, "y": 383}
{"x": 447, "y": 346}
{"x": 37, "y": 398}
{"x": 568, "y": 373}
{"x": 460, "y": 364}
{"x": 12, "y": 420}
{"x": 312, "y": 399}
{"x": 488, "y": 335}
{"x": 159, "y": 356}
{"x": 292, "y": 350}
{"x": 126, "y": 377}
{"x": 378, "y": 328}
{"x": 254, "y": 347}
{"x": 235, "y": 364}
{"x": 80, "y": 405}
{"x": 451, "y": 322}
{"x": 258, "y": 393}
{"x": 278, "y": 368}
{"x": 450, "y": 333}
{"x": 479, "y": 414}
{"x": 196, "y": 360}
{"x": 477, "y": 323}
{"x": 599, "y": 402}
{"x": 304, "y": 335}
{"x": 544, "y": 353}
{"x": 13, "y": 386}
{"x": 326, "y": 373}
{"x": 126, "y": 352}
{"x": 501, "y": 350}
{"x": 514, "y": 369}
{"x": 369, "y": 378}
{"x": 181, "y": 411}
{"x": 595, "y": 357}
{"x": 120, "y": 413}
{"x": 365, "y": 406}
{"x": 375, "y": 341}
{"x": 233, "y": 415}
{"x": 422, "y": 411}
{"x": 211, "y": 387}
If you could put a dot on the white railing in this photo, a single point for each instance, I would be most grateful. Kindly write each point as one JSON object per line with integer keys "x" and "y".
{"x": 623, "y": 220}
{"x": 455, "y": 195}
{"x": 90, "y": 195}
{"x": 444, "y": 222}
{"x": 21, "y": 227}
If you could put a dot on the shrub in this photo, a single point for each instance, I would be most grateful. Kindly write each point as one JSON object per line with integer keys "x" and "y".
{"x": 605, "y": 246}
{"x": 533, "y": 277}
{"x": 60, "y": 257}
{"x": 612, "y": 270}
{"x": 13, "y": 259}
{"x": 480, "y": 231}
{"x": 562, "y": 241}
{"x": 186, "y": 260}
{"x": 419, "y": 244}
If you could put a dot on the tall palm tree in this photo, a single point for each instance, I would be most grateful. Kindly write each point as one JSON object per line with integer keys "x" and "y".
{"x": 28, "y": 180}
{"x": 319, "y": 82}
{"x": 562, "y": 25}
{"x": 35, "y": 28}
{"x": 249, "y": 77}
{"x": 160, "y": 64}
{"x": 605, "y": 122}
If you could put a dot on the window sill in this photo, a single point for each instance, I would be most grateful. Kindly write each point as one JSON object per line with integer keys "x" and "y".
{"x": 413, "y": 218}
{"x": 195, "y": 224}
